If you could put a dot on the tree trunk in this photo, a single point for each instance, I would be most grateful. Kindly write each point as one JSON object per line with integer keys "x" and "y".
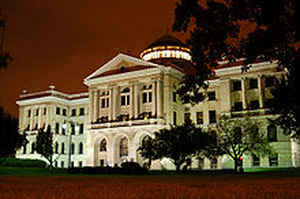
{"x": 236, "y": 162}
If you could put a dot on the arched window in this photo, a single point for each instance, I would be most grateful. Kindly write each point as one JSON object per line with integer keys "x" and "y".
{"x": 62, "y": 148}
{"x": 123, "y": 147}
{"x": 103, "y": 145}
{"x": 72, "y": 148}
{"x": 80, "y": 148}
{"x": 272, "y": 133}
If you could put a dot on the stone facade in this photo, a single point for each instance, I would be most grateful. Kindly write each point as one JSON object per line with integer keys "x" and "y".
{"x": 129, "y": 98}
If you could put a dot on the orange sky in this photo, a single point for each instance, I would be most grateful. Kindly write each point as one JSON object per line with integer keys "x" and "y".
{"x": 61, "y": 42}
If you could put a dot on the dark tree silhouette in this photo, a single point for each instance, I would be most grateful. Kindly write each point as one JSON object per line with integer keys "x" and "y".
{"x": 217, "y": 32}
{"x": 178, "y": 143}
{"x": 5, "y": 57}
{"x": 10, "y": 139}
{"x": 44, "y": 145}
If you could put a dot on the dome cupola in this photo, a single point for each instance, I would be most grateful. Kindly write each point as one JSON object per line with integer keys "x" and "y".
{"x": 166, "y": 47}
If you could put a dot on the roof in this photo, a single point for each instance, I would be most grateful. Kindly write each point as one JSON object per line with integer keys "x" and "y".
{"x": 166, "y": 40}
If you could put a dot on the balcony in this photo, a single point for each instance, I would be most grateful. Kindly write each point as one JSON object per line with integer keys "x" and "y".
{"x": 125, "y": 121}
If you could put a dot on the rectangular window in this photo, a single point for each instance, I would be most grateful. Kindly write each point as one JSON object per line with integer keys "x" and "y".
{"x": 103, "y": 103}
{"x": 81, "y": 111}
{"x": 150, "y": 97}
{"x": 45, "y": 111}
{"x": 255, "y": 161}
{"x": 174, "y": 118}
{"x": 57, "y": 111}
{"x": 236, "y": 85}
{"x": 37, "y": 112}
{"x": 57, "y": 128}
{"x": 212, "y": 117}
{"x": 128, "y": 99}
{"x": 211, "y": 96}
{"x": 144, "y": 98}
{"x": 29, "y": 113}
{"x": 72, "y": 129}
{"x": 174, "y": 97}
{"x": 273, "y": 160}
{"x": 107, "y": 102}
{"x": 199, "y": 116}
{"x": 81, "y": 127}
{"x": 64, "y": 112}
{"x": 123, "y": 99}
{"x": 254, "y": 104}
{"x": 62, "y": 164}
{"x": 238, "y": 106}
{"x": 73, "y": 112}
{"x": 80, "y": 164}
{"x": 269, "y": 81}
{"x": 253, "y": 83}
{"x": 187, "y": 116}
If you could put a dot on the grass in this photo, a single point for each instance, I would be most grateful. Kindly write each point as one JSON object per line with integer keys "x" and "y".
{"x": 31, "y": 183}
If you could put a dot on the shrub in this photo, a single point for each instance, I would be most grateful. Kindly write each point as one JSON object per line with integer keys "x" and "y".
{"x": 132, "y": 168}
{"x": 15, "y": 162}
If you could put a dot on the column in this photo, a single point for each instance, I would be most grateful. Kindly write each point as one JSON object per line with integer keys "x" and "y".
{"x": 244, "y": 100}
{"x": 91, "y": 110}
{"x": 141, "y": 105}
{"x": 167, "y": 98}
{"x": 132, "y": 101}
{"x": 159, "y": 98}
{"x": 116, "y": 99}
{"x": 136, "y": 99}
{"x": 260, "y": 91}
{"x": 153, "y": 105}
{"x": 111, "y": 104}
{"x": 95, "y": 105}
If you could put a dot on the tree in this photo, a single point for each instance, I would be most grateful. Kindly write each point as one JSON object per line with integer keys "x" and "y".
{"x": 44, "y": 145}
{"x": 250, "y": 29}
{"x": 10, "y": 138}
{"x": 5, "y": 57}
{"x": 178, "y": 143}
{"x": 240, "y": 136}
{"x": 146, "y": 150}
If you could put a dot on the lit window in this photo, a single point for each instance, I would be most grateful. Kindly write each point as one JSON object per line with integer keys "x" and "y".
{"x": 125, "y": 97}
{"x": 199, "y": 116}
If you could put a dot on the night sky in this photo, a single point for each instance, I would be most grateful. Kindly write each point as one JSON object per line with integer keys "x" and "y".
{"x": 61, "y": 42}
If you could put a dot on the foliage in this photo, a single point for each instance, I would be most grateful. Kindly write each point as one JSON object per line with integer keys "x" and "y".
{"x": 44, "y": 145}
{"x": 10, "y": 139}
{"x": 241, "y": 136}
{"x": 250, "y": 29}
{"x": 178, "y": 143}
{"x": 15, "y": 162}
{"x": 146, "y": 150}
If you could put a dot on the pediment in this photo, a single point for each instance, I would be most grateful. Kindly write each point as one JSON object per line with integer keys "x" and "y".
{"x": 120, "y": 63}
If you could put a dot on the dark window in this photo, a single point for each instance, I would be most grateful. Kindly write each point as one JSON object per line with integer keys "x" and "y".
{"x": 211, "y": 96}
{"x": 212, "y": 117}
{"x": 144, "y": 98}
{"x": 24, "y": 149}
{"x": 72, "y": 129}
{"x": 73, "y": 112}
{"x": 253, "y": 83}
{"x": 272, "y": 133}
{"x": 103, "y": 145}
{"x": 62, "y": 164}
{"x": 150, "y": 97}
{"x": 57, "y": 128}
{"x": 81, "y": 127}
{"x": 107, "y": 102}
{"x": 269, "y": 81}
{"x": 32, "y": 147}
{"x": 254, "y": 104}
{"x": 273, "y": 160}
{"x": 123, "y": 99}
{"x": 29, "y": 113}
{"x": 72, "y": 148}
{"x": 72, "y": 164}
{"x": 80, "y": 148}
{"x": 62, "y": 148}
{"x": 238, "y": 106}
{"x": 174, "y": 97}
{"x": 45, "y": 111}
{"x": 236, "y": 85}
{"x": 174, "y": 118}
{"x": 187, "y": 116}
{"x": 199, "y": 117}
{"x": 255, "y": 160}
{"x": 101, "y": 163}
{"x": 64, "y": 112}
{"x": 80, "y": 164}
{"x": 57, "y": 111}
{"x": 37, "y": 112}
{"x": 102, "y": 103}
{"x": 56, "y": 147}
{"x": 81, "y": 111}
{"x": 128, "y": 99}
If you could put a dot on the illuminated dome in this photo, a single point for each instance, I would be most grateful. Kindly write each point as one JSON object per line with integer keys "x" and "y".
{"x": 166, "y": 47}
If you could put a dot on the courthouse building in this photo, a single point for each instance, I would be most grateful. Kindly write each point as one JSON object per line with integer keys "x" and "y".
{"x": 130, "y": 98}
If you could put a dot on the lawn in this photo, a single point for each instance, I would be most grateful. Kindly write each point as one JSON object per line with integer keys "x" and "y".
{"x": 24, "y": 184}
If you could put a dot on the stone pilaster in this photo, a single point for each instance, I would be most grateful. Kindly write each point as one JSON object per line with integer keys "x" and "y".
{"x": 244, "y": 90}
{"x": 154, "y": 97}
{"x": 260, "y": 91}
